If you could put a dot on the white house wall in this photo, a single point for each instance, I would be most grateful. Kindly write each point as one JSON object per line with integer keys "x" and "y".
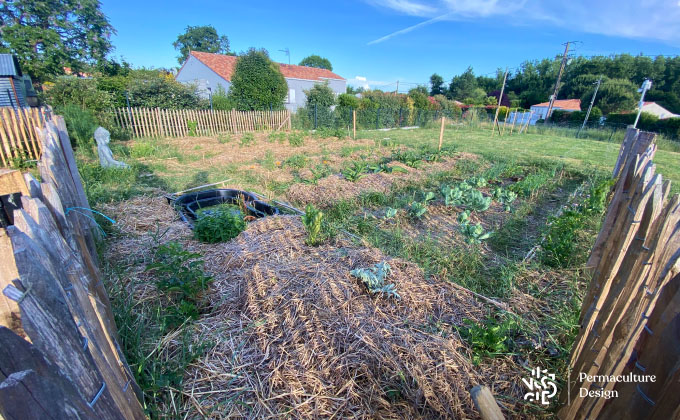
{"x": 300, "y": 85}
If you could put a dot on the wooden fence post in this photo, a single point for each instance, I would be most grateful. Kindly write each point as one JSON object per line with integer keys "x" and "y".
{"x": 354, "y": 123}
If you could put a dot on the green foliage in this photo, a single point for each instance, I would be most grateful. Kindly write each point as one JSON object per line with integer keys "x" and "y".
{"x": 83, "y": 93}
{"x": 465, "y": 194}
{"x": 437, "y": 85}
{"x": 473, "y": 234}
{"x": 464, "y": 86}
{"x": 247, "y": 139}
{"x": 563, "y": 245}
{"x": 297, "y": 161}
{"x": 417, "y": 209}
{"x": 80, "y": 124}
{"x": 257, "y": 82}
{"x": 528, "y": 186}
{"x": 390, "y": 213}
{"x": 348, "y": 100}
{"x": 464, "y": 217}
{"x": 374, "y": 279}
{"x": 505, "y": 197}
{"x": 478, "y": 181}
{"x": 320, "y": 95}
{"x": 219, "y": 223}
{"x": 200, "y": 38}
{"x": 224, "y": 138}
{"x": 154, "y": 89}
{"x": 475, "y": 200}
{"x": 179, "y": 274}
{"x": 490, "y": 338}
{"x": 277, "y": 136}
{"x": 221, "y": 100}
{"x": 357, "y": 170}
{"x": 296, "y": 138}
{"x": 192, "y": 127}
{"x": 48, "y": 36}
{"x": 312, "y": 220}
{"x": 316, "y": 61}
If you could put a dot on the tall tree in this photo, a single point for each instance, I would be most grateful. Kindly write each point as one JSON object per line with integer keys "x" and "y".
{"x": 200, "y": 38}
{"x": 464, "y": 86}
{"x": 437, "y": 85}
{"x": 47, "y": 36}
{"x": 317, "y": 61}
{"x": 257, "y": 82}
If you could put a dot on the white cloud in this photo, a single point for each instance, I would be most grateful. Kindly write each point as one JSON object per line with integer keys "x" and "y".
{"x": 365, "y": 83}
{"x": 640, "y": 19}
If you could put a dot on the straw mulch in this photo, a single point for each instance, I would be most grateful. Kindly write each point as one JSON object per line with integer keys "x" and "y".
{"x": 291, "y": 334}
{"x": 334, "y": 188}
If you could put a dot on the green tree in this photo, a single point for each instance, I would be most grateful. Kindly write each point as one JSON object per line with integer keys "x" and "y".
{"x": 257, "y": 82}
{"x": 614, "y": 95}
{"x": 464, "y": 86}
{"x": 47, "y": 36}
{"x": 437, "y": 85}
{"x": 200, "y": 38}
{"x": 317, "y": 61}
{"x": 320, "y": 95}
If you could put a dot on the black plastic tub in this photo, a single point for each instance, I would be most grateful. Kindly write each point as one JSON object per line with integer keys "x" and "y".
{"x": 189, "y": 204}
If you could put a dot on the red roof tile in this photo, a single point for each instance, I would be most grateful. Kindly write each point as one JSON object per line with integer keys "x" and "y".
{"x": 224, "y": 65}
{"x": 567, "y": 104}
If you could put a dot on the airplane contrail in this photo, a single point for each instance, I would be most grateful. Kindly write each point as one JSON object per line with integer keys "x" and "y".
{"x": 410, "y": 28}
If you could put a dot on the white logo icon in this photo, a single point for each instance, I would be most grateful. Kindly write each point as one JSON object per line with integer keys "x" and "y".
{"x": 541, "y": 386}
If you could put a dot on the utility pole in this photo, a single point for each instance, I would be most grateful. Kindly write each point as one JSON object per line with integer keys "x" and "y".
{"x": 646, "y": 85}
{"x": 559, "y": 78}
{"x": 498, "y": 107}
{"x": 590, "y": 107}
{"x": 397, "y": 90}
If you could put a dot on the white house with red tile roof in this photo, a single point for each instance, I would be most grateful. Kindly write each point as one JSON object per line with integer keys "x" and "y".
{"x": 568, "y": 105}
{"x": 208, "y": 71}
{"x": 656, "y": 109}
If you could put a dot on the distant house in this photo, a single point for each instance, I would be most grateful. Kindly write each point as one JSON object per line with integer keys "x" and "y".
{"x": 16, "y": 89}
{"x": 656, "y": 109}
{"x": 568, "y": 105}
{"x": 208, "y": 71}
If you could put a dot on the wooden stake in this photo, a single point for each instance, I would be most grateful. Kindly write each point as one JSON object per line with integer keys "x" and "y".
{"x": 441, "y": 135}
{"x": 354, "y": 123}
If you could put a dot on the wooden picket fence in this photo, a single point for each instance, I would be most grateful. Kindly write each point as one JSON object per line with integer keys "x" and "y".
{"x": 630, "y": 316}
{"x": 155, "y": 122}
{"x": 19, "y": 130}
{"x": 59, "y": 351}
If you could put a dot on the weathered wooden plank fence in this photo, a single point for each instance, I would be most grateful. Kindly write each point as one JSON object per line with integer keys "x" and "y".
{"x": 19, "y": 132}
{"x": 630, "y": 316}
{"x": 155, "y": 122}
{"x": 59, "y": 352}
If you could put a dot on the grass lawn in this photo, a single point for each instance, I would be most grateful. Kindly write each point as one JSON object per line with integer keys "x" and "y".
{"x": 577, "y": 153}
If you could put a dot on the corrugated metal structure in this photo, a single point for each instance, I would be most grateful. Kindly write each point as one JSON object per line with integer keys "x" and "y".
{"x": 14, "y": 86}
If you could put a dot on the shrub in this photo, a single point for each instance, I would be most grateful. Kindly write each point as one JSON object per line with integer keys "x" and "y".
{"x": 156, "y": 90}
{"x": 348, "y": 100}
{"x": 257, "y": 82}
{"x": 82, "y": 93}
{"x": 219, "y": 223}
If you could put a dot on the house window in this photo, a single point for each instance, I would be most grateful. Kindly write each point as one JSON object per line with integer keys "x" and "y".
{"x": 291, "y": 96}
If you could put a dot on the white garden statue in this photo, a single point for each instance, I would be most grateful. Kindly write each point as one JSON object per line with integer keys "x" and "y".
{"x": 106, "y": 159}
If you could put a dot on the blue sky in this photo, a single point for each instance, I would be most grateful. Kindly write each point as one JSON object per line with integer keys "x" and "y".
{"x": 388, "y": 40}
